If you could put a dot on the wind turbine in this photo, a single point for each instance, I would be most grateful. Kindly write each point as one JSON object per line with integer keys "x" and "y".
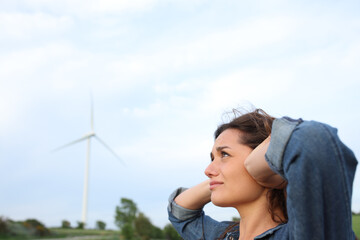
{"x": 88, "y": 137}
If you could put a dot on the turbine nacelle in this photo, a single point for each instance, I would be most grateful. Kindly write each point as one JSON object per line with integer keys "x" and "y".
{"x": 89, "y": 135}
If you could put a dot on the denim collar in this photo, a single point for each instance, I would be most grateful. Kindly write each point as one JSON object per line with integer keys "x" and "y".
{"x": 270, "y": 231}
{"x": 234, "y": 235}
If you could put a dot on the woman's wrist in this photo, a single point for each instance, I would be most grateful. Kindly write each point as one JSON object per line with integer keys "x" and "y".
{"x": 256, "y": 163}
{"x": 259, "y": 169}
{"x": 195, "y": 197}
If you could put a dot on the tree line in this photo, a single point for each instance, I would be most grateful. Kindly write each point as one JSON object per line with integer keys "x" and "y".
{"x": 27, "y": 228}
{"x": 133, "y": 225}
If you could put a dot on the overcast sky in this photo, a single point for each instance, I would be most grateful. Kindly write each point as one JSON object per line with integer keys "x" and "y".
{"x": 162, "y": 75}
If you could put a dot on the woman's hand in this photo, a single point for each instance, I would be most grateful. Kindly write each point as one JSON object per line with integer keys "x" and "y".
{"x": 259, "y": 169}
{"x": 195, "y": 197}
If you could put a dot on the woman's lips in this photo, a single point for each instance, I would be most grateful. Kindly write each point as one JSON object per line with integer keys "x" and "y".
{"x": 214, "y": 184}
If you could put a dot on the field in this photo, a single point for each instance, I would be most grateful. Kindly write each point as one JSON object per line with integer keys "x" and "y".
{"x": 356, "y": 225}
{"x": 89, "y": 234}
{"x": 82, "y": 234}
{"x": 102, "y": 234}
{"x": 112, "y": 235}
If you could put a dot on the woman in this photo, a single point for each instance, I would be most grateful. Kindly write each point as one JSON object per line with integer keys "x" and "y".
{"x": 300, "y": 189}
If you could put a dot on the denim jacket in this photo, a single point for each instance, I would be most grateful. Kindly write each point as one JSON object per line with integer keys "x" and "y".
{"x": 195, "y": 225}
{"x": 318, "y": 205}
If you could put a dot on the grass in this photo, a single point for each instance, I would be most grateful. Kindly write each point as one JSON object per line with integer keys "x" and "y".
{"x": 115, "y": 235}
{"x": 356, "y": 225}
{"x": 63, "y": 233}
{"x": 107, "y": 234}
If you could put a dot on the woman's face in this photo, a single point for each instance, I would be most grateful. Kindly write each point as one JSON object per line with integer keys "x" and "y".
{"x": 230, "y": 184}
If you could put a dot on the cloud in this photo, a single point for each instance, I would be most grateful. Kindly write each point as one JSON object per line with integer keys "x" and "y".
{"x": 110, "y": 6}
{"x": 10, "y": 110}
{"x": 31, "y": 61}
{"x": 28, "y": 76}
{"x": 81, "y": 8}
{"x": 25, "y": 26}
{"x": 351, "y": 58}
{"x": 211, "y": 49}
{"x": 254, "y": 83}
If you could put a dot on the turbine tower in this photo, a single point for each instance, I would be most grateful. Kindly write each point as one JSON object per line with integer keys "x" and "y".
{"x": 88, "y": 137}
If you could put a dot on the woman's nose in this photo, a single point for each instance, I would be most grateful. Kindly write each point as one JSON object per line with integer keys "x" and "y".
{"x": 211, "y": 171}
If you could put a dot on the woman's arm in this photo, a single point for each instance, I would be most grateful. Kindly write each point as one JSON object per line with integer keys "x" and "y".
{"x": 320, "y": 171}
{"x": 259, "y": 169}
{"x": 187, "y": 216}
{"x": 195, "y": 197}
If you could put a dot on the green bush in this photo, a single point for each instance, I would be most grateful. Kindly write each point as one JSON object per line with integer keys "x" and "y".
{"x": 36, "y": 228}
{"x": 23, "y": 229}
{"x": 18, "y": 229}
{"x": 170, "y": 233}
{"x": 65, "y": 224}
{"x": 4, "y": 230}
{"x": 156, "y": 233}
{"x": 80, "y": 225}
{"x": 100, "y": 225}
{"x": 128, "y": 231}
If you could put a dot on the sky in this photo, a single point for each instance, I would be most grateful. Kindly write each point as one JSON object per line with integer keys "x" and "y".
{"x": 162, "y": 75}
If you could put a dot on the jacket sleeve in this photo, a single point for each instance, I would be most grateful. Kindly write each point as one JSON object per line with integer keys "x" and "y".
{"x": 282, "y": 129}
{"x": 320, "y": 171}
{"x": 193, "y": 224}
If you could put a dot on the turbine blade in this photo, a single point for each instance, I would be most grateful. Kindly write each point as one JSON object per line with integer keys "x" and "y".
{"x": 71, "y": 143}
{"x": 108, "y": 148}
{"x": 92, "y": 113}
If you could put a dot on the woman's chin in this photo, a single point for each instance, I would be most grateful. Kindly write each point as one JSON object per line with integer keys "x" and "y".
{"x": 218, "y": 201}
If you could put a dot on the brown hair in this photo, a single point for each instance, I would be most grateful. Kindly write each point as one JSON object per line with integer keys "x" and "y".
{"x": 255, "y": 127}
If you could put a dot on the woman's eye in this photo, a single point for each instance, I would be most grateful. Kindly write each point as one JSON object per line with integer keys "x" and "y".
{"x": 224, "y": 154}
